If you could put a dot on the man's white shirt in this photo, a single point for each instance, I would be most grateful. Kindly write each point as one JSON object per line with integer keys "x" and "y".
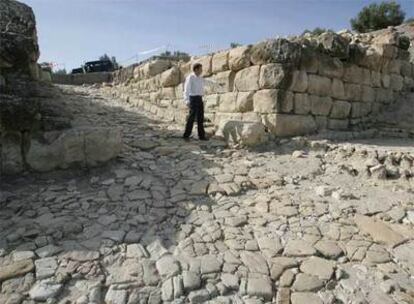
{"x": 194, "y": 86}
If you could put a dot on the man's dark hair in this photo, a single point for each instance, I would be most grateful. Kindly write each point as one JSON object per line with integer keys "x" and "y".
{"x": 197, "y": 66}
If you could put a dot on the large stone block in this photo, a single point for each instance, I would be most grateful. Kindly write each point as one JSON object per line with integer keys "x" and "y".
{"x": 168, "y": 93}
{"x": 60, "y": 150}
{"x": 220, "y": 62}
{"x": 290, "y": 125}
{"x": 353, "y": 92}
{"x": 211, "y": 102}
{"x": 244, "y": 102}
{"x": 102, "y": 144}
{"x": 275, "y": 76}
{"x": 331, "y": 67}
{"x": 319, "y": 85}
{"x": 242, "y": 132}
{"x": 170, "y": 77}
{"x": 302, "y": 103}
{"x": 354, "y": 74}
{"x": 376, "y": 79}
{"x": 251, "y": 116}
{"x": 156, "y": 67}
{"x": 11, "y": 155}
{"x": 239, "y": 58}
{"x": 367, "y": 94}
{"x": 224, "y": 83}
{"x": 338, "y": 124}
{"x": 227, "y": 102}
{"x": 309, "y": 61}
{"x": 247, "y": 79}
{"x": 360, "y": 109}
{"x": 338, "y": 90}
{"x": 397, "y": 82}
{"x": 299, "y": 81}
{"x": 334, "y": 44}
{"x": 272, "y": 101}
{"x": 384, "y": 96}
{"x": 320, "y": 105}
{"x": 340, "y": 109}
{"x": 276, "y": 51}
{"x": 205, "y": 61}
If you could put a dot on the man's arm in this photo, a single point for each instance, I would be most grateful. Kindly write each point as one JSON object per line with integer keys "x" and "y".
{"x": 187, "y": 90}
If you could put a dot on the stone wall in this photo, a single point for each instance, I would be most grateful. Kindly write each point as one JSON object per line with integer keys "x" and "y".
{"x": 79, "y": 79}
{"x": 35, "y": 125}
{"x": 290, "y": 87}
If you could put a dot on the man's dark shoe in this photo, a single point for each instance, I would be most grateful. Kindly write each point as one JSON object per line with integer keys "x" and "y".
{"x": 204, "y": 138}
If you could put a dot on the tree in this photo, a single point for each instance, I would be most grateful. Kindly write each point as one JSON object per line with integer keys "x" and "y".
{"x": 176, "y": 55}
{"x": 317, "y": 31}
{"x": 234, "y": 44}
{"x": 378, "y": 16}
{"x": 104, "y": 57}
{"x": 409, "y": 20}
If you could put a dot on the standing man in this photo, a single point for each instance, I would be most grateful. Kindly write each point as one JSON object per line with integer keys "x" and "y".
{"x": 193, "y": 98}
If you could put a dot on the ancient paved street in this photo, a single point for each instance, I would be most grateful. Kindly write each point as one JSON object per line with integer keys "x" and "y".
{"x": 300, "y": 221}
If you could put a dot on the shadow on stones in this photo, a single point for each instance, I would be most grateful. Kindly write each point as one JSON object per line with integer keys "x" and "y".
{"x": 153, "y": 194}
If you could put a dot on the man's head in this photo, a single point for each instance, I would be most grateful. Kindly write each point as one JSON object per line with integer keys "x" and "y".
{"x": 198, "y": 69}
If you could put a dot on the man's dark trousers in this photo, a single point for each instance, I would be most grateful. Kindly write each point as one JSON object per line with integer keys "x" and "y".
{"x": 196, "y": 111}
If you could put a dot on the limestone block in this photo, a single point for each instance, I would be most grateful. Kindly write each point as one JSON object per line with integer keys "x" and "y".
{"x": 274, "y": 76}
{"x": 276, "y": 51}
{"x": 205, "y": 62}
{"x": 353, "y": 74}
{"x": 290, "y": 125}
{"x": 242, "y": 132}
{"x": 386, "y": 80}
{"x": 376, "y": 79}
{"x": 368, "y": 94}
{"x": 309, "y": 61}
{"x": 336, "y": 45}
{"x": 384, "y": 96}
{"x": 227, "y": 102}
{"x": 170, "y": 77}
{"x": 102, "y": 144}
{"x": 338, "y": 124}
{"x": 299, "y": 81}
{"x": 319, "y": 85}
{"x": 211, "y": 102}
{"x": 239, "y": 58}
{"x": 340, "y": 109}
{"x": 321, "y": 122}
{"x": 397, "y": 82}
{"x": 156, "y": 67}
{"x": 331, "y": 67}
{"x": 353, "y": 92}
{"x": 408, "y": 83}
{"x": 320, "y": 105}
{"x": 338, "y": 90}
{"x": 392, "y": 67}
{"x": 360, "y": 109}
{"x": 220, "y": 62}
{"x": 168, "y": 93}
{"x": 224, "y": 83}
{"x": 185, "y": 70}
{"x": 272, "y": 101}
{"x": 220, "y": 117}
{"x": 407, "y": 69}
{"x": 60, "y": 152}
{"x": 244, "y": 101}
{"x": 179, "y": 91}
{"x": 302, "y": 103}
{"x": 251, "y": 116}
{"x": 11, "y": 157}
{"x": 247, "y": 79}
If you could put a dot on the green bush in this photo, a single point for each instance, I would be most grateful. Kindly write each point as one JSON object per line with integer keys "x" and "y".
{"x": 378, "y": 16}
